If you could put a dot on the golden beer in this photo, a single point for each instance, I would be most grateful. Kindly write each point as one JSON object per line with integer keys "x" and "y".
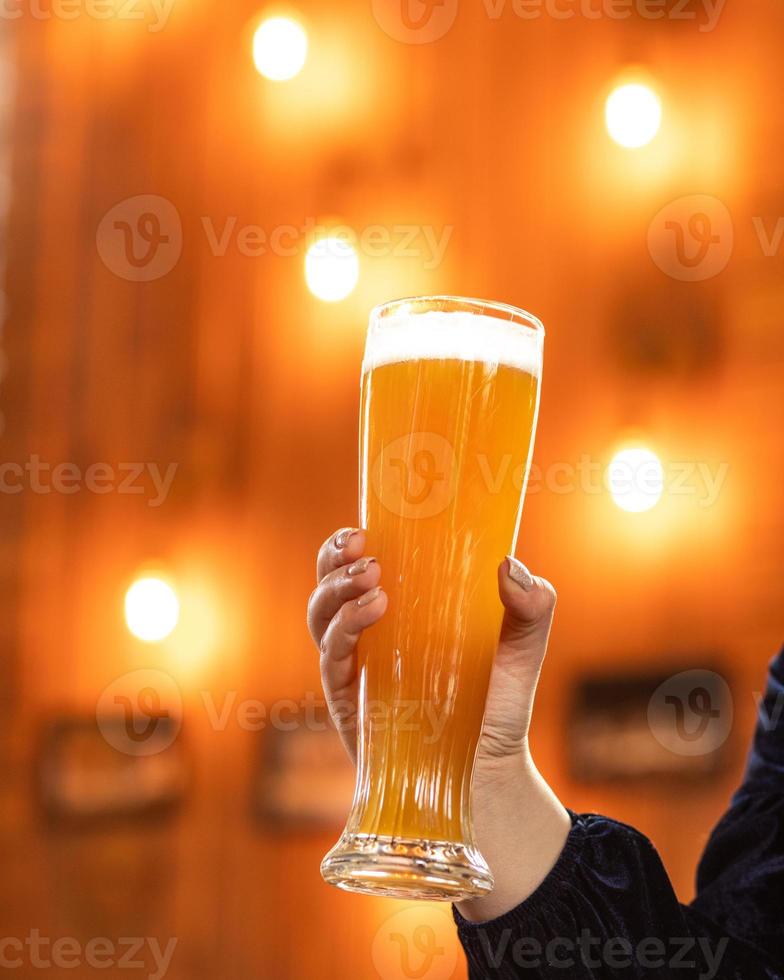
{"x": 450, "y": 392}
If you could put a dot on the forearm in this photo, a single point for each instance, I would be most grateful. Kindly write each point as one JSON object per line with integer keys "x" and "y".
{"x": 521, "y": 829}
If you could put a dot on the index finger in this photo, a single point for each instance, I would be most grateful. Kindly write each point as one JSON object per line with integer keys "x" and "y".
{"x": 345, "y": 545}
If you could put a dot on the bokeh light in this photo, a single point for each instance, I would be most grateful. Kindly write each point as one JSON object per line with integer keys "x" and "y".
{"x": 280, "y": 48}
{"x": 636, "y": 479}
{"x": 152, "y": 609}
{"x": 331, "y": 268}
{"x": 633, "y": 114}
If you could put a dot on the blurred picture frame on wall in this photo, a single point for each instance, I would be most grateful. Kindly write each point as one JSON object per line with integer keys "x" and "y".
{"x": 94, "y": 769}
{"x": 303, "y": 779}
{"x": 652, "y": 725}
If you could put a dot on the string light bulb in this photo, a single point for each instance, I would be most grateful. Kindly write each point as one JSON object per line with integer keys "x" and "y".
{"x": 280, "y": 48}
{"x": 152, "y": 609}
{"x": 632, "y": 114}
{"x": 331, "y": 268}
{"x": 635, "y": 478}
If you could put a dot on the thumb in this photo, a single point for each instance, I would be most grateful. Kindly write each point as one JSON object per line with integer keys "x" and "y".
{"x": 529, "y": 603}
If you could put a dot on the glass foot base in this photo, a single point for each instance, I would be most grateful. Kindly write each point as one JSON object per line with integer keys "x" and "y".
{"x": 401, "y": 867}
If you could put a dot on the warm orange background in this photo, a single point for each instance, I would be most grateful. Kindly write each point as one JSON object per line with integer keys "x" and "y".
{"x": 231, "y": 368}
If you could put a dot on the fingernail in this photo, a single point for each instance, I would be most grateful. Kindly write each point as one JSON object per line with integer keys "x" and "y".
{"x": 343, "y": 537}
{"x": 360, "y": 566}
{"x": 368, "y": 597}
{"x": 519, "y": 574}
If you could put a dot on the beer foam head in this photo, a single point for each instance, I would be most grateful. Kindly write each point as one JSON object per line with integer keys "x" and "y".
{"x": 454, "y": 335}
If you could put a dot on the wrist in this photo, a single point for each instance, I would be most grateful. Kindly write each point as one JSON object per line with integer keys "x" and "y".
{"x": 503, "y": 761}
{"x": 521, "y": 829}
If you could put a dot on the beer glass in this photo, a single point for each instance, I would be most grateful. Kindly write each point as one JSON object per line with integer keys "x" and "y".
{"x": 449, "y": 401}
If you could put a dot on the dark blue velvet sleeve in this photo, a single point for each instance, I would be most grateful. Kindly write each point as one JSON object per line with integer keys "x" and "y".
{"x": 607, "y": 908}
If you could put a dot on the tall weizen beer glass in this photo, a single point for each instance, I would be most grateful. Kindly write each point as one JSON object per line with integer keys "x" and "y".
{"x": 450, "y": 394}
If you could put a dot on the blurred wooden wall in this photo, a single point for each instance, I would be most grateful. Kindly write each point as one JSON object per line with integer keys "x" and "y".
{"x": 229, "y": 368}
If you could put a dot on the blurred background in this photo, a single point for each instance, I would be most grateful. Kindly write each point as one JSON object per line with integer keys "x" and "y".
{"x": 200, "y": 204}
